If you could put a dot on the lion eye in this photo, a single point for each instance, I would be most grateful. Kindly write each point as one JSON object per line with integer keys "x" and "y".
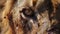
{"x": 28, "y": 12}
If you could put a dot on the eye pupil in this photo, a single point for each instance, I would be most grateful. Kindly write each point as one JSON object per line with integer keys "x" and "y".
{"x": 28, "y": 12}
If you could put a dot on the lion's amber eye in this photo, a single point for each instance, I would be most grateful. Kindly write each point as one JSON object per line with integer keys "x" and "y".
{"x": 28, "y": 12}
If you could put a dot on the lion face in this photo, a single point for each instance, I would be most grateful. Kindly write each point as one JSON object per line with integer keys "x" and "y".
{"x": 30, "y": 16}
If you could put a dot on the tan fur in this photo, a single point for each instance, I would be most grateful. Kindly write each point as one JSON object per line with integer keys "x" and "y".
{"x": 43, "y": 18}
{"x": 6, "y": 11}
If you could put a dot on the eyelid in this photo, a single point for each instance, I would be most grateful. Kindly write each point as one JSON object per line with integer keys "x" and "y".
{"x": 23, "y": 15}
